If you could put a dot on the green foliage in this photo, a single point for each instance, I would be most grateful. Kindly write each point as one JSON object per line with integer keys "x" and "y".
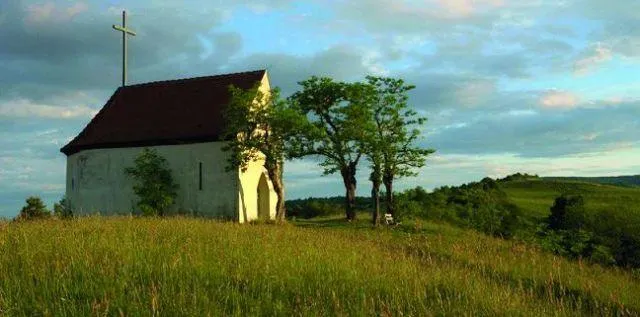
{"x": 518, "y": 177}
{"x": 619, "y": 231}
{"x": 62, "y": 209}
{"x": 570, "y": 243}
{"x": 604, "y": 237}
{"x": 257, "y": 123}
{"x": 567, "y": 213}
{"x": 257, "y": 126}
{"x": 391, "y": 134}
{"x": 154, "y": 186}
{"x": 482, "y": 205}
{"x": 337, "y": 117}
{"x": 320, "y": 207}
{"x": 35, "y": 209}
{"x": 394, "y": 128}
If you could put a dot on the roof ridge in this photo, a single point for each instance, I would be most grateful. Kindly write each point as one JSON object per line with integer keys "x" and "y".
{"x": 189, "y": 79}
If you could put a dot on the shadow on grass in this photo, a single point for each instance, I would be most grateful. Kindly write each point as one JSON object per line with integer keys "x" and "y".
{"x": 332, "y": 222}
{"x": 362, "y": 222}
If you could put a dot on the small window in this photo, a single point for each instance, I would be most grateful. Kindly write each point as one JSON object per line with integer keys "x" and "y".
{"x": 200, "y": 175}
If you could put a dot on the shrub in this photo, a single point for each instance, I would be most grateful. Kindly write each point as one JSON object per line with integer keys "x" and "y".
{"x": 480, "y": 205}
{"x": 314, "y": 207}
{"x": 567, "y": 213}
{"x": 406, "y": 209}
{"x": 62, "y": 209}
{"x": 155, "y": 187}
{"x": 35, "y": 209}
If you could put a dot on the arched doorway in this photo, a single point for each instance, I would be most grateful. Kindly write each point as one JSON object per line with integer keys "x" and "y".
{"x": 263, "y": 197}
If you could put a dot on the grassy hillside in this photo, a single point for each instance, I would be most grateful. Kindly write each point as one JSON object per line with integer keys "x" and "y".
{"x": 179, "y": 266}
{"x": 628, "y": 181}
{"x": 535, "y": 197}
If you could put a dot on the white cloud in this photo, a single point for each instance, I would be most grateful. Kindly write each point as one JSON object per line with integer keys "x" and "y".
{"x": 37, "y": 13}
{"x": 22, "y": 108}
{"x": 464, "y": 8}
{"x": 49, "y": 11}
{"x": 475, "y": 92}
{"x": 559, "y": 100}
{"x": 599, "y": 55}
{"x": 590, "y": 136}
{"x": 76, "y": 9}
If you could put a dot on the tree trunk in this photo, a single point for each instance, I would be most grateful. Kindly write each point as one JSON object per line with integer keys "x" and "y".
{"x": 349, "y": 178}
{"x": 275, "y": 174}
{"x": 387, "y": 179}
{"x": 375, "y": 195}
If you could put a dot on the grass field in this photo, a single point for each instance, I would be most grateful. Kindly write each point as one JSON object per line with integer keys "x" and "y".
{"x": 113, "y": 266}
{"x": 535, "y": 197}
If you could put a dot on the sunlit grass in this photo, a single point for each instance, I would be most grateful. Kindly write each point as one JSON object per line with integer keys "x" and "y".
{"x": 197, "y": 267}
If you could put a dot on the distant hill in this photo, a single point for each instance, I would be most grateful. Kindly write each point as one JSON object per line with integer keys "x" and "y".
{"x": 626, "y": 181}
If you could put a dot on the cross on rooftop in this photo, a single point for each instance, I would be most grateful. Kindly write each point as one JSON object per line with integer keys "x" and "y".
{"x": 124, "y": 31}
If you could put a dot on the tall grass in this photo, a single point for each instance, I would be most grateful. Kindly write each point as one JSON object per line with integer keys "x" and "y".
{"x": 179, "y": 266}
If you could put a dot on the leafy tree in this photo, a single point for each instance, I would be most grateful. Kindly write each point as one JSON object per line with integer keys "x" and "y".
{"x": 257, "y": 126}
{"x": 155, "y": 187}
{"x": 62, "y": 209}
{"x": 389, "y": 140}
{"x": 337, "y": 117}
{"x": 567, "y": 213}
{"x": 35, "y": 209}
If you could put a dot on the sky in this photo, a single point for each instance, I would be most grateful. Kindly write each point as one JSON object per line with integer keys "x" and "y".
{"x": 549, "y": 87}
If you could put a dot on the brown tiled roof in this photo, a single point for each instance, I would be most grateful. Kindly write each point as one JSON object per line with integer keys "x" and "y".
{"x": 162, "y": 113}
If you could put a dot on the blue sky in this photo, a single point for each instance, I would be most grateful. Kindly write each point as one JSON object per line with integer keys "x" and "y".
{"x": 537, "y": 86}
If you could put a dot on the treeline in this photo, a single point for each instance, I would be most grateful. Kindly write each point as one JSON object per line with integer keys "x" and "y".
{"x": 624, "y": 181}
{"x": 325, "y": 206}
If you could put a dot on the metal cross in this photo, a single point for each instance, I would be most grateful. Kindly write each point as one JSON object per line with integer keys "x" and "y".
{"x": 124, "y": 31}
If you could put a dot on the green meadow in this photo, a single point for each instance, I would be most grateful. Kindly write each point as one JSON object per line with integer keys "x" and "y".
{"x": 323, "y": 266}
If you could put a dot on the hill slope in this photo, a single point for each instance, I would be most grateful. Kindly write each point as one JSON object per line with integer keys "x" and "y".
{"x": 627, "y": 181}
{"x": 536, "y": 196}
{"x": 194, "y": 267}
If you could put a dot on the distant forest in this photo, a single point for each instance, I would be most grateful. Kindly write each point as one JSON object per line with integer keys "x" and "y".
{"x": 626, "y": 181}
{"x": 323, "y": 206}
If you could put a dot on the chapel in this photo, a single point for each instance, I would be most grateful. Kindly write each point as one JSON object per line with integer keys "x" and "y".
{"x": 182, "y": 120}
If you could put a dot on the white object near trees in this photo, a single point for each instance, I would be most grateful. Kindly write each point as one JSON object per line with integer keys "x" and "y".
{"x": 389, "y": 221}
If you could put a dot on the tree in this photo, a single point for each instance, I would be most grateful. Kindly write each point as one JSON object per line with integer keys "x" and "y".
{"x": 155, "y": 187}
{"x": 35, "y": 209}
{"x": 257, "y": 126}
{"x": 390, "y": 142}
{"x": 567, "y": 213}
{"x": 62, "y": 209}
{"x": 336, "y": 117}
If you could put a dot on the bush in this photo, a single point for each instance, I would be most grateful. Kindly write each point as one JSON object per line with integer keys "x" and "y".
{"x": 406, "y": 209}
{"x": 62, "y": 209}
{"x": 480, "y": 205}
{"x": 155, "y": 186}
{"x": 567, "y": 213}
{"x": 35, "y": 209}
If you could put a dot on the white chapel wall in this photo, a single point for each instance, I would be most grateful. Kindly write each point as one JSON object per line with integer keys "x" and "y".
{"x": 96, "y": 181}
